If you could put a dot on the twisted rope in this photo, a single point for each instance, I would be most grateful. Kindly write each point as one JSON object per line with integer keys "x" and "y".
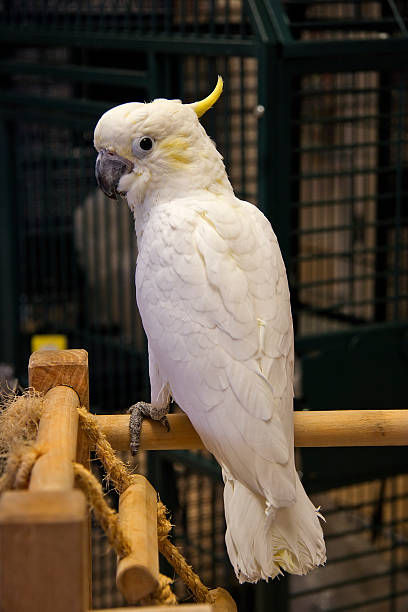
{"x": 8, "y": 479}
{"x": 20, "y": 463}
{"x": 116, "y": 471}
{"x": 104, "y": 514}
{"x": 28, "y": 458}
{"x": 172, "y": 554}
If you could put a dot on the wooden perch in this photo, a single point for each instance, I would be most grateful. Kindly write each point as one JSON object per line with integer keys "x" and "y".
{"x": 312, "y": 429}
{"x": 186, "y": 608}
{"x": 138, "y": 574}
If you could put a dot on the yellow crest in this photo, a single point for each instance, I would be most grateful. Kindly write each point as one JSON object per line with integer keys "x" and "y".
{"x": 202, "y": 106}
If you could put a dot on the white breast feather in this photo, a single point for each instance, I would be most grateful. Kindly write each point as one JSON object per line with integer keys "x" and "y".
{"x": 207, "y": 273}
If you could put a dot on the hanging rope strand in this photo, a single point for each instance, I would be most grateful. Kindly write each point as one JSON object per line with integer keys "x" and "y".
{"x": 104, "y": 514}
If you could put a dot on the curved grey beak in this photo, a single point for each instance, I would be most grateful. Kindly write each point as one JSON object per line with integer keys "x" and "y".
{"x": 109, "y": 169}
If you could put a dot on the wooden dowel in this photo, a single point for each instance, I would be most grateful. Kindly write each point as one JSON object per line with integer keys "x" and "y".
{"x": 186, "y": 608}
{"x": 223, "y": 603}
{"x": 351, "y": 428}
{"x": 57, "y": 434}
{"x": 138, "y": 574}
{"x": 312, "y": 429}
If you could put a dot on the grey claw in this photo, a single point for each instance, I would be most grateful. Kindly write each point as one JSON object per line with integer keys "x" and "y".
{"x": 165, "y": 422}
{"x": 137, "y": 413}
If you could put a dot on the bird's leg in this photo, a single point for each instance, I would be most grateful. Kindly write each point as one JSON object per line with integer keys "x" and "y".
{"x": 137, "y": 413}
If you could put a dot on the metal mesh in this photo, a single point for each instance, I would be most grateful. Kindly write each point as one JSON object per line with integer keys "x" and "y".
{"x": 200, "y": 524}
{"x": 77, "y": 253}
{"x": 216, "y": 17}
{"x": 350, "y": 19}
{"x": 366, "y": 537}
{"x": 349, "y": 236}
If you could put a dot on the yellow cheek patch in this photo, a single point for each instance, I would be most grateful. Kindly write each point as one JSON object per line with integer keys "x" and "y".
{"x": 177, "y": 150}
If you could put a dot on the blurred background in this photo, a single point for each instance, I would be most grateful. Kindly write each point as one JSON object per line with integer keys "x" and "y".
{"x": 312, "y": 127}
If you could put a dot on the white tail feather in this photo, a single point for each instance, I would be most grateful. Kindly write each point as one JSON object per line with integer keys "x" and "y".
{"x": 262, "y": 541}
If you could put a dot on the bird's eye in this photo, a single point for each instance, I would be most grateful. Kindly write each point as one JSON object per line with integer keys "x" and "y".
{"x": 142, "y": 145}
{"x": 146, "y": 143}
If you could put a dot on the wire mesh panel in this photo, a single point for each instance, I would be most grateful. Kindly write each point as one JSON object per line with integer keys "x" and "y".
{"x": 77, "y": 256}
{"x": 350, "y": 238}
{"x": 332, "y": 19}
{"x": 366, "y": 537}
{"x": 200, "y": 523}
{"x": 215, "y": 17}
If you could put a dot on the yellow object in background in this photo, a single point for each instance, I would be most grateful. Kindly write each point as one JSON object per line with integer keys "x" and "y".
{"x": 49, "y": 342}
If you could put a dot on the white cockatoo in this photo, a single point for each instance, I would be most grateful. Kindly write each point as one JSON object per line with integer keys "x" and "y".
{"x": 212, "y": 292}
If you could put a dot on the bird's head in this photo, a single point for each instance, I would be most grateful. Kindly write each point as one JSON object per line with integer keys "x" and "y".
{"x": 158, "y": 148}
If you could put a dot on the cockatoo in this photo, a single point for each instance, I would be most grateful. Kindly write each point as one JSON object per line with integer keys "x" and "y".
{"x": 213, "y": 296}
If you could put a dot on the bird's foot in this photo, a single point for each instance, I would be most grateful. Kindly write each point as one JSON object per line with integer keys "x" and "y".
{"x": 137, "y": 413}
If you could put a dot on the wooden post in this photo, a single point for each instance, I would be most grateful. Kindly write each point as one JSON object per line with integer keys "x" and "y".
{"x": 43, "y": 551}
{"x": 43, "y": 531}
{"x": 57, "y": 434}
{"x": 138, "y": 574}
{"x": 47, "y": 369}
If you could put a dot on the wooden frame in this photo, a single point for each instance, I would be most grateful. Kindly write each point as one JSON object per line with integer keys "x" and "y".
{"x": 44, "y": 530}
